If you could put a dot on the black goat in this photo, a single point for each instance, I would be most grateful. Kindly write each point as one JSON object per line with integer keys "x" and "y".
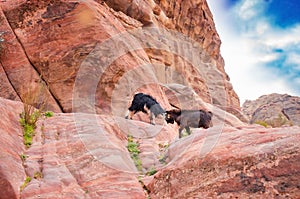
{"x": 189, "y": 118}
{"x": 146, "y": 104}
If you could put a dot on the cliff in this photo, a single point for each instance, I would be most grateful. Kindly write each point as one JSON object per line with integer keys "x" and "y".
{"x": 78, "y": 50}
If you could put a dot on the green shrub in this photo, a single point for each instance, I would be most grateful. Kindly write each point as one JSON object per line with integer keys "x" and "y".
{"x": 162, "y": 158}
{"x": 133, "y": 148}
{"x": 279, "y": 121}
{"x": 134, "y": 151}
{"x": 28, "y": 127}
{"x": 34, "y": 101}
{"x": 25, "y": 183}
{"x": 152, "y": 171}
{"x": 48, "y": 114}
{"x": 23, "y": 157}
{"x": 262, "y": 123}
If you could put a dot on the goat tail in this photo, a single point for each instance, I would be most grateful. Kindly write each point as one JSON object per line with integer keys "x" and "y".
{"x": 174, "y": 106}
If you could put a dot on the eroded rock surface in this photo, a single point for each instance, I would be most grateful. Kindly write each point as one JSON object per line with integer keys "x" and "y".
{"x": 274, "y": 109}
{"x": 12, "y": 173}
{"x": 243, "y": 163}
{"x": 93, "y": 50}
{"x": 86, "y": 156}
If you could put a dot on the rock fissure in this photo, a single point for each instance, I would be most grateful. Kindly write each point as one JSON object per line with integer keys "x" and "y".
{"x": 43, "y": 82}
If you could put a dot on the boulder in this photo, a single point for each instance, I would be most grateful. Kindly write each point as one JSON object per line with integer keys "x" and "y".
{"x": 274, "y": 110}
{"x": 231, "y": 163}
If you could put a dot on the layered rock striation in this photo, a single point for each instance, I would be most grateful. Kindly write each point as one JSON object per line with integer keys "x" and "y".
{"x": 91, "y": 51}
{"x": 86, "y": 155}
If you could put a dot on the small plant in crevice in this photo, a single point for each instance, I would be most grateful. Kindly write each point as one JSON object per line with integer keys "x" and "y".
{"x": 151, "y": 171}
{"x": 28, "y": 128}
{"x": 48, "y": 114}
{"x": 33, "y": 104}
{"x": 25, "y": 183}
{"x": 23, "y": 157}
{"x": 162, "y": 159}
{"x": 37, "y": 175}
{"x": 134, "y": 151}
{"x": 186, "y": 132}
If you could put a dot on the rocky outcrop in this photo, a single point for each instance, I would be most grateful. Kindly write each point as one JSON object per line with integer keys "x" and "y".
{"x": 85, "y": 155}
{"x": 87, "y": 52}
{"x": 232, "y": 163}
{"x": 274, "y": 109}
{"x": 72, "y": 155}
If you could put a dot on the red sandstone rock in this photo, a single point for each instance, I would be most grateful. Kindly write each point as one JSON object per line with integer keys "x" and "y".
{"x": 224, "y": 163}
{"x": 85, "y": 155}
{"x": 19, "y": 71}
{"x": 85, "y": 50}
{"x": 7, "y": 91}
{"x": 12, "y": 173}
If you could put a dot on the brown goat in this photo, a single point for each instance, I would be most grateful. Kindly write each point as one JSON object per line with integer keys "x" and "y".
{"x": 189, "y": 118}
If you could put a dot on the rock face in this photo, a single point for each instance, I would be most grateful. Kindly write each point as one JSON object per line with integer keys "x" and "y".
{"x": 78, "y": 155}
{"x": 12, "y": 173}
{"x": 245, "y": 163}
{"x": 87, "y": 52}
{"x": 274, "y": 109}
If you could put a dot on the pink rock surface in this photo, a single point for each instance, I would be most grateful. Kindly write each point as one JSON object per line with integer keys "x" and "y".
{"x": 85, "y": 155}
{"x": 12, "y": 173}
{"x": 51, "y": 42}
{"x": 81, "y": 155}
{"x": 246, "y": 162}
{"x": 19, "y": 75}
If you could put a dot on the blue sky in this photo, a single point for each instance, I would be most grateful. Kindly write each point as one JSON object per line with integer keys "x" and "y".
{"x": 260, "y": 45}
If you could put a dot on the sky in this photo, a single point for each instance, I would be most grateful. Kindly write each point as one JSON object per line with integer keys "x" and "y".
{"x": 260, "y": 45}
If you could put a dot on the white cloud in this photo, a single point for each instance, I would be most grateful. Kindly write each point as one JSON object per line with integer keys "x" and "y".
{"x": 248, "y": 9}
{"x": 249, "y": 43}
{"x": 294, "y": 58}
{"x": 282, "y": 38}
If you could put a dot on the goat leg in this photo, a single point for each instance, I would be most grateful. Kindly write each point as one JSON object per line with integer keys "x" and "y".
{"x": 152, "y": 118}
{"x": 188, "y": 130}
{"x": 129, "y": 114}
{"x": 180, "y": 131}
